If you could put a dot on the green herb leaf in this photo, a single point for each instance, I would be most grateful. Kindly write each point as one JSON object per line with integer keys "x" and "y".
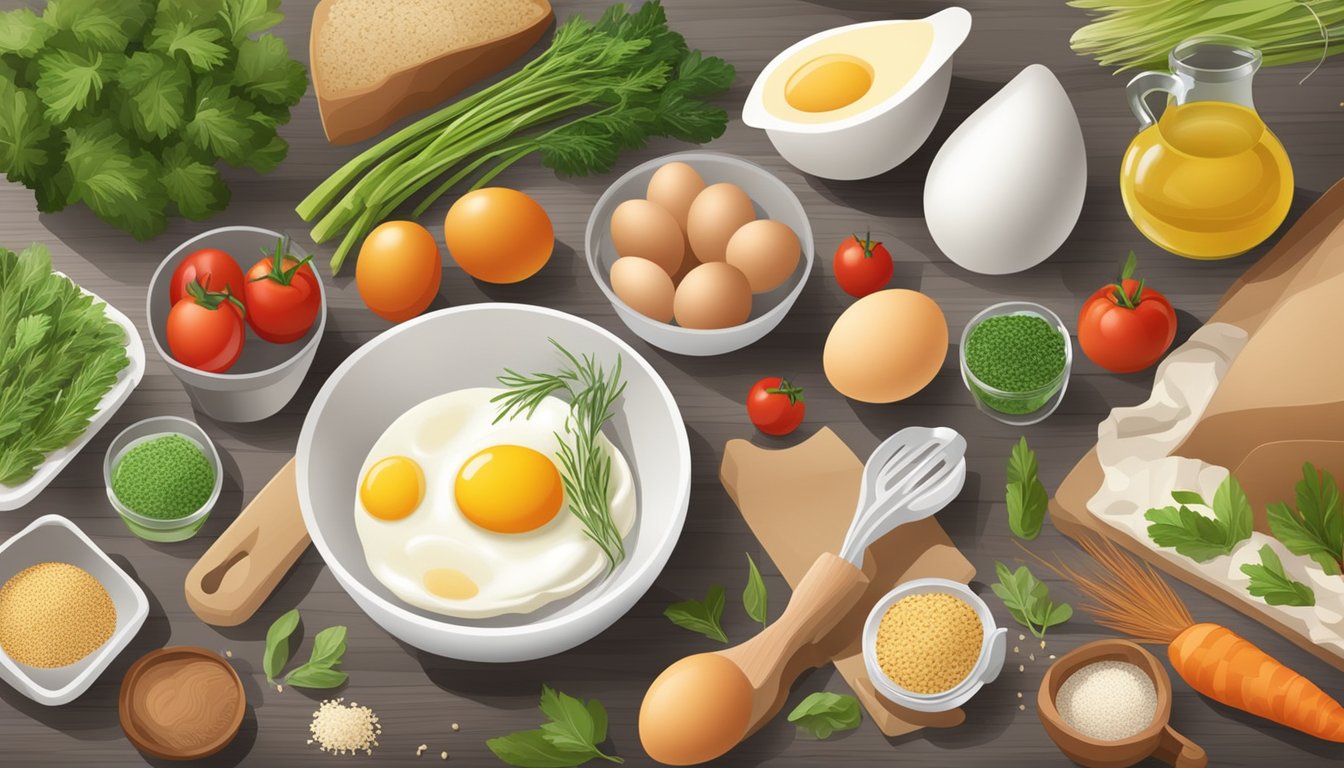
{"x": 1316, "y": 527}
{"x": 702, "y": 617}
{"x": 1028, "y": 600}
{"x": 754, "y": 596}
{"x": 221, "y": 125}
{"x": 25, "y": 151}
{"x": 247, "y": 17}
{"x": 824, "y": 713}
{"x": 1197, "y": 536}
{"x": 266, "y": 72}
{"x": 328, "y": 646}
{"x": 115, "y": 182}
{"x": 158, "y": 88}
{"x": 1269, "y": 581}
{"x": 277, "y": 644}
{"x": 69, "y": 82}
{"x": 316, "y": 676}
{"x": 195, "y": 188}
{"x": 200, "y": 46}
{"x": 1025, "y": 495}
{"x": 22, "y": 33}
{"x": 570, "y": 738}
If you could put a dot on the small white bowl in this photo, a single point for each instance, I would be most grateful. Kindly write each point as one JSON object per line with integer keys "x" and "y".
{"x": 152, "y": 528}
{"x": 267, "y": 375}
{"x": 772, "y": 199}
{"x": 880, "y": 137}
{"x": 993, "y": 649}
{"x": 52, "y": 538}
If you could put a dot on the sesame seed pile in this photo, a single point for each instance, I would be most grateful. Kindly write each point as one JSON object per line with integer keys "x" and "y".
{"x": 345, "y": 728}
{"x": 53, "y": 615}
{"x": 1108, "y": 700}
{"x": 929, "y": 643}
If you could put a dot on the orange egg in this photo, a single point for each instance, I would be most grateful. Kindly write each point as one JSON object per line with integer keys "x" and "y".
{"x": 697, "y": 709}
{"x": 498, "y": 235}
{"x": 399, "y": 270}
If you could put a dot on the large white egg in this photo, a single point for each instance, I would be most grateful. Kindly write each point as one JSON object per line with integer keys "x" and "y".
{"x": 1006, "y": 188}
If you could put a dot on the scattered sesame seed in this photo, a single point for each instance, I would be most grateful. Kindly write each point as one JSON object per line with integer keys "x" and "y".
{"x": 1021, "y": 668}
{"x": 443, "y": 755}
{"x": 1016, "y": 649}
{"x": 345, "y": 728}
{"x": 1021, "y": 707}
{"x": 456, "y": 727}
{"x": 228, "y": 654}
{"x": 420, "y": 749}
{"x": 279, "y": 688}
{"x": 1021, "y": 637}
{"x": 1031, "y": 657}
{"x": 1052, "y": 655}
{"x": 1019, "y": 694}
{"x": 1042, "y": 643}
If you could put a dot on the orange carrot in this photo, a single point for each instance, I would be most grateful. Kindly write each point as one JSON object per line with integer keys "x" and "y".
{"x": 1131, "y": 598}
{"x": 1229, "y": 669}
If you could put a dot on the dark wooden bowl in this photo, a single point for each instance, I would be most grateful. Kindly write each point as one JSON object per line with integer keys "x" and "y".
{"x": 1158, "y": 740}
{"x": 141, "y": 729}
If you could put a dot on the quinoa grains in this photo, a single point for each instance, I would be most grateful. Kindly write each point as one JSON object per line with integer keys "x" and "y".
{"x": 929, "y": 643}
{"x": 54, "y": 614}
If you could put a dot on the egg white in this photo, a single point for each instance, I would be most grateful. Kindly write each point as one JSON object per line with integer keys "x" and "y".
{"x": 514, "y": 572}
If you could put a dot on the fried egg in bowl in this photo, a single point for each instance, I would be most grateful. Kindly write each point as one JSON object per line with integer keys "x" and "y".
{"x": 465, "y": 515}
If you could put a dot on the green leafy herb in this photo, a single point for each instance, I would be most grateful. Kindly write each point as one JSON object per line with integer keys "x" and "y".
{"x": 1028, "y": 600}
{"x": 1197, "y": 536}
{"x": 754, "y": 596}
{"x": 1316, "y": 527}
{"x": 569, "y": 738}
{"x": 585, "y": 466}
{"x": 128, "y": 106}
{"x": 600, "y": 89}
{"x": 824, "y": 713}
{"x": 702, "y": 617}
{"x": 59, "y": 354}
{"x": 1026, "y": 496}
{"x": 1270, "y": 582}
{"x": 319, "y": 671}
{"x": 277, "y": 644}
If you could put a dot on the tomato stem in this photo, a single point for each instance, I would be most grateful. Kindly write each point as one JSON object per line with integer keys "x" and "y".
{"x": 213, "y": 299}
{"x": 1123, "y": 297}
{"x": 795, "y": 394}
{"x": 866, "y": 243}
{"x": 278, "y": 273}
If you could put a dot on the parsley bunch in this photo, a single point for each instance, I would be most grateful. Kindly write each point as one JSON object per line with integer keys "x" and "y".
{"x": 601, "y": 88}
{"x": 128, "y": 106}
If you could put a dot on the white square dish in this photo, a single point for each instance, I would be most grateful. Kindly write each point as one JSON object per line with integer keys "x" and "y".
{"x": 52, "y": 538}
{"x": 15, "y": 496}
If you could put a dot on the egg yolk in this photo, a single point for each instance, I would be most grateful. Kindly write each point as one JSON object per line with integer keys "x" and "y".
{"x": 828, "y": 82}
{"x": 509, "y": 489}
{"x": 450, "y": 584}
{"x": 392, "y": 488}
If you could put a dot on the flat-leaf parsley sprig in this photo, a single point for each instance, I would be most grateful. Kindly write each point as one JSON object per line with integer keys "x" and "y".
{"x": 585, "y": 468}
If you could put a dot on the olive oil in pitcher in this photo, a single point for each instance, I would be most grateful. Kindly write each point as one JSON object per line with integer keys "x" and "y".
{"x": 1208, "y": 180}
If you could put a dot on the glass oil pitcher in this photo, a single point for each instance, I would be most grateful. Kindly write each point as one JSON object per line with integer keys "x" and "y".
{"x": 1207, "y": 180}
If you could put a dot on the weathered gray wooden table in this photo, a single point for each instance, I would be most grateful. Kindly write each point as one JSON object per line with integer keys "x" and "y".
{"x": 418, "y": 696}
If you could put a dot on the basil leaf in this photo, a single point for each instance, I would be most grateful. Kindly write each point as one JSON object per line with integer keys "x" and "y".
{"x": 824, "y": 713}
{"x": 1233, "y": 510}
{"x": 755, "y": 597}
{"x": 570, "y": 738}
{"x": 1027, "y": 598}
{"x": 277, "y": 644}
{"x": 328, "y": 647}
{"x": 1269, "y": 581}
{"x": 571, "y": 726}
{"x": 530, "y": 749}
{"x": 702, "y": 617}
{"x": 1025, "y": 495}
{"x": 315, "y": 676}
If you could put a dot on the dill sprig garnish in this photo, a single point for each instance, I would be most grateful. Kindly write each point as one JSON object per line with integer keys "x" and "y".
{"x": 585, "y": 469}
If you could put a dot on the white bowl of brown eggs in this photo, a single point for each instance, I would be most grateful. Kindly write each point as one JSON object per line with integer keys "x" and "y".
{"x": 700, "y": 253}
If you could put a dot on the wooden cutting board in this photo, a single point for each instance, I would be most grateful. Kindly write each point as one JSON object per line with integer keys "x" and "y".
{"x": 799, "y": 502}
{"x": 1312, "y": 249}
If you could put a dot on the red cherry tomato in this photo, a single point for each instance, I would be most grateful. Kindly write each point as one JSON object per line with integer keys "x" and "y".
{"x": 282, "y": 297}
{"x": 862, "y": 266}
{"x": 214, "y": 269}
{"x": 206, "y": 330}
{"x": 1126, "y": 326}
{"x": 775, "y": 406}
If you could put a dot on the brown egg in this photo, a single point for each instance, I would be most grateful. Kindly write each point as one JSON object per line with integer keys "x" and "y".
{"x": 646, "y": 230}
{"x": 766, "y": 251}
{"x": 695, "y": 711}
{"x": 674, "y": 187}
{"x": 886, "y": 347}
{"x": 712, "y": 295}
{"x": 644, "y": 286}
{"x": 718, "y": 212}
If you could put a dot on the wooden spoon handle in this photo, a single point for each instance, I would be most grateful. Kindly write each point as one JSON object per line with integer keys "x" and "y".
{"x": 1175, "y": 749}
{"x": 822, "y": 598}
{"x": 239, "y": 571}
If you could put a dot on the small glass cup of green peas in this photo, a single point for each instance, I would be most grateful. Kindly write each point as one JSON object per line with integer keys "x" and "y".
{"x": 163, "y": 476}
{"x": 1015, "y": 359}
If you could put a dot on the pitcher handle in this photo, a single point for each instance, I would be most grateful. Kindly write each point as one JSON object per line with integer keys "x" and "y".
{"x": 1148, "y": 82}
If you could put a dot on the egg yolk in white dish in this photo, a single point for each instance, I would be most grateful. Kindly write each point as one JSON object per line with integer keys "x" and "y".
{"x": 509, "y": 489}
{"x": 392, "y": 488}
{"x": 829, "y": 82}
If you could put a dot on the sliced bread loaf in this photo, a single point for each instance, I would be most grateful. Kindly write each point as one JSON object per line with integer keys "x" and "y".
{"x": 376, "y": 61}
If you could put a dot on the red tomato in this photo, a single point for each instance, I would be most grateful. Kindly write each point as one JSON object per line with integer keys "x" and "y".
{"x": 775, "y": 406}
{"x": 205, "y": 330}
{"x": 862, "y": 266}
{"x": 214, "y": 269}
{"x": 282, "y": 297}
{"x": 1126, "y": 326}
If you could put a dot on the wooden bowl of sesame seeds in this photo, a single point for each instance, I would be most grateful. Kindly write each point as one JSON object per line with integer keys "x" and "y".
{"x": 181, "y": 703}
